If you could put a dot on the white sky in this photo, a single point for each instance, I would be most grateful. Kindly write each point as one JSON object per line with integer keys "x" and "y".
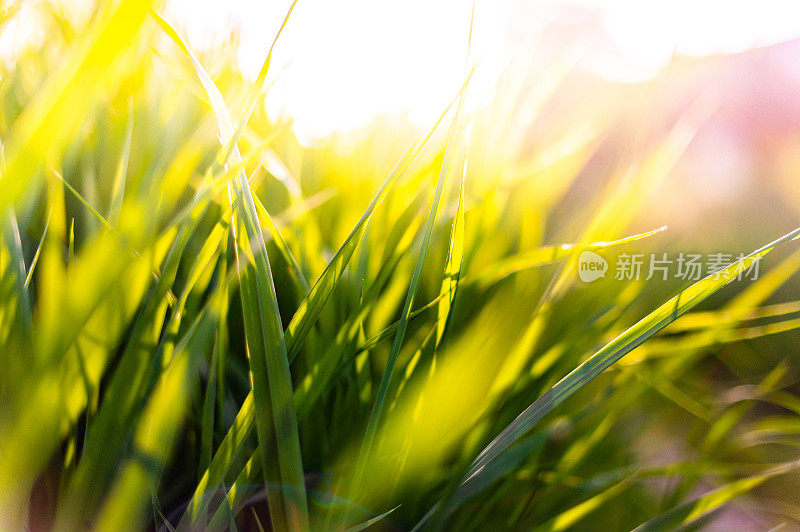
{"x": 344, "y": 62}
{"x": 350, "y": 60}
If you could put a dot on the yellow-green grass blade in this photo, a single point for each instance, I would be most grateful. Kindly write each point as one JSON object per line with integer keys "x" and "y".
{"x": 387, "y": 332}
{"x": 223, "y": 335}
{"x": 301, "y": 324}
{"x": 736, "y": 309}
{"x": 612, "y": 352}
{"x": 207, "y": 416}
{"x": 154, "y": 434}
{"x": 309, "y": 310}
{"x": 695, "y": 321}
{"x": 455, "y": 259}
{"x": 569, "y": 519}
{"x": 118, "y": 191}
{"x": 76, "y": 332}
{"x": 343, "y": 349}
{"x": 257, "y": 90}
{"x": 545, "y": 255}
{"x": 45, "y": 126}
{"x": 236, "y": 494}
{"x": 294, "y": 268}
{"x": 368, "y": 523}
{"x": 276, "y": 422}
{"x": 13, "y": 273}
{"x": 505, "y": 464}
{"x": 231, "y": 451}
{"x": 699, "y": 341}
{"x": 693, "y": 511}
{"x": 455, "y": 251}
{"x": 83, "y": 201}
{"x": 383, "y": 388}
{"x": 35, "y": 259}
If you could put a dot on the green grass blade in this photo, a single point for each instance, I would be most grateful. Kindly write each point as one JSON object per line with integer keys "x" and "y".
{"x": 366, "y": 524}
{"x": 545, "y": 255}
{"x": 383, "y": 389}
{"x": 455, "y": 259}
{"x": 257, "y": 89}
{"x": 83, "y": 200}
{"x": 294, "y": 268}
{"x": 276, "y": 422}
{"x": 302, "y": 321}
{"x": 569, "y": 519}
{"x": 306, "y": 315}
{"x": 16, "y": 269}
{"x": 619, "y": 347}
{"x": 230, "y": 451}
{"x": 45, "y": 126}
{"x": 35, "y": 259}
{"x": 691, "y": 512}
{"x": 156, "y": 430}
{"x": 118, "y": 192}
{"x": 207, "y": 416}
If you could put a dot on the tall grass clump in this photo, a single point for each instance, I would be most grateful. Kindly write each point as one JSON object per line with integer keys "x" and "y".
{"x": 205, "y": 324}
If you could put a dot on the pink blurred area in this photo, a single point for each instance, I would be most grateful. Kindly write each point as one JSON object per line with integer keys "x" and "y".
{"x": 739, "y": 179}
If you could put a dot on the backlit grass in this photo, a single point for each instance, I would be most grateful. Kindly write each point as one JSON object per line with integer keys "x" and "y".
{"x": 204, "y": 323}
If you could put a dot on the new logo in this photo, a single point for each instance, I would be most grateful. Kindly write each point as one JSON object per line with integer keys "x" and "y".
{"x": 591, "y": 266}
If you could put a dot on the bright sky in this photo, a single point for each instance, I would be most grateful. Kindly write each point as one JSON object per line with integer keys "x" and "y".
{"x": 351, "y": 60}
{"x": 344, "y": 62}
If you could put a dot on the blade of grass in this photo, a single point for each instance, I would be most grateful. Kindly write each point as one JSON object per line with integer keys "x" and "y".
{"x": 118, "y": 191}
{"x": 276, "y": 423}
{"x": 207, "y": 418}
{"x": 154, "y": 434}
{"x": 570, "y": 518}
{"x": 691, "y": 512}
{"x": 257, "y": 90}
{"x": 619, "y": 347}
{"x": 44, "y": 127}
{"x": 545, "y": 255}
{"x": 383, "y": 389}
{"x": 231, "y": 449}
{"x": 612, "y": 352}
{"x": 280, "y": 243}
{"x": 303, "y": 320}
{"x": 366, "y": 524}
{"x": 16, "y": 268}
{"x": 455, "y": 259}
{"x": 35, "y": 258}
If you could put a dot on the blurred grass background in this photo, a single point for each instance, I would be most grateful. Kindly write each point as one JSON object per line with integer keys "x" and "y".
{"x": 195, "y": 331}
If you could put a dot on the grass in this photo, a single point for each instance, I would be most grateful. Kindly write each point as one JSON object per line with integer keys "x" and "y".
{"x": 205, "y": 324}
